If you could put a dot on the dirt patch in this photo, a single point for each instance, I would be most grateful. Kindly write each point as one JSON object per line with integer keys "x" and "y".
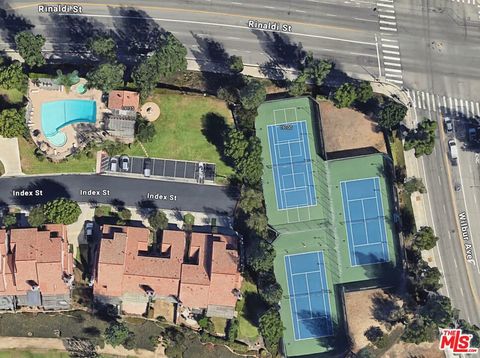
{"x": 359, "y": 315}
{"x": 424, "y": 350}
{"x": 346, "y": 129}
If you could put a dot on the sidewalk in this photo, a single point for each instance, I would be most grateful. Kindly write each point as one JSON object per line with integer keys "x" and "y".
{"x": 10, "y": 156}
{"x": 412, "y": 164}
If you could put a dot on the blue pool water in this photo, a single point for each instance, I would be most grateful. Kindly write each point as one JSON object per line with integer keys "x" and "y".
{"x": 58, "y": 114}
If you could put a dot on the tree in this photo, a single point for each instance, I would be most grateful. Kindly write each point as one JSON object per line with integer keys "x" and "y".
{"x": 125, "y": 214}
{"x": 62, "y": 211}
{"x": 261, "y": 256}
{"x": 425, "y": 239}
{"x": 158, "y": 220}
{"x": 188, "y": 221}
{"x": 269, "y": 289}
{"x": 422, "y": 139}
{"x": 67, "y": 79}
{"x": 391, "y": 114}
{"x": 175, "y": 341}
{"x": 170, "y": 56}
{"x": 106, "y": 77}
{"x": 298, "y": 86}
{"x": 250, "y": 168}
{"x": 271, "y": 328}
{"x": 373, "y": 334}
{"x": 250, "y": 200}
{"x": 36, "y": 217}
{"x": 345, "y": 95}
{"x": 117, "y": 334}
{"x": 419, "y": 330}
{"x": 235, "y": 145}
{"x": 414, "y": 184}
{"x": 245, "y": 119}
{"x": 145, "y": 77}
{"x": 252, "y": 94}
{"x": 9, "y": 220}
{"x": 103, "y": 47}
{"x": 424, "y": 277}
{"x": 236, "y": 64}
{"x": 258, "y": 222}
{"x": 30, "y": 48}
{"x": 232, "y": 329}
{"x": 145, "y": 131}
{"x": 12, "y": 123}
{"x": 364, "y": 92}
{"x": 12, "y": 76}
{"x": 114, "y": 147}
{"x": 472, "y": 329}
{"x": 439, "y": 310}
{"x": 316, "y": 70}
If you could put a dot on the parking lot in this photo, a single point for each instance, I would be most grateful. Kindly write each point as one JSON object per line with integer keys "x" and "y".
{"x": 162, "y": 168}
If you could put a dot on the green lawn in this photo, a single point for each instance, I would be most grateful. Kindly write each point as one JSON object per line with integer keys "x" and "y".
{"x": 2, "y": 169}
{"x": 249, "y": 309}
{"x": 31, "y": 165}
{"x": 220, "y": 324}
{"x": 184, "y": 124}
{"x": 12, "y": 95}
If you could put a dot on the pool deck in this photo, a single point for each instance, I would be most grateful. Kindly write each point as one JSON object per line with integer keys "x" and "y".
{"x": 38, "y": 95}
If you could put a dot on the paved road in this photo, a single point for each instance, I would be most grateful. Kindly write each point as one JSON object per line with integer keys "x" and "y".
{"x": 343, "y": 31}
{"x": 129, "y": 191}
{"x": 442, "y": 213}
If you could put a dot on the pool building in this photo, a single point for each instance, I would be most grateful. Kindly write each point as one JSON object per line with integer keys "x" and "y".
{"x": 334, "y": 224}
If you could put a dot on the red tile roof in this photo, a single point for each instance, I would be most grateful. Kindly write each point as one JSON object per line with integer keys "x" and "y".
{"x": 208, "y": 276}
{"x": 34, "y": 256}
{"x": 123, "y": 100}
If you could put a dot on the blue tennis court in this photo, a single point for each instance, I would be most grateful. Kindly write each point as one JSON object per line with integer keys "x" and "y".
{"x": 292, "y": 165}
{"x": 365, "y": 221}
{"x": 308, "y": 292}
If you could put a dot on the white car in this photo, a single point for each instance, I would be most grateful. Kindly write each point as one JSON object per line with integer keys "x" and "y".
{"x": 88, "y": 229}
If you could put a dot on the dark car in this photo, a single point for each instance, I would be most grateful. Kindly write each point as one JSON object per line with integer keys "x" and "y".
{"x": 147, "y": 167}
{"x": 124, "y": 163}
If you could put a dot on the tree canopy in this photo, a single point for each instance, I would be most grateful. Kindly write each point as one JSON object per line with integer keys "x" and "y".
{"x": 158, "y": 220}
{"x": 252, "y": 94}
{"x": 345, "y": 95}
{"x": 391, "y": 114}
{"x": 145, "y": 131}
{"x": 419, "y": 330}
{"x": 117, "y": 334}
{"x": 250, "y": 200}
{"x": 67, "y": 79}
{"x": 271, "y": 328}
{"x": 422, "y": 139}
{"x": 106, "y": 76}
{"x": 12, "y": 123}
{"x": 425, "y": 239}
{"x": 260, "y": 256}
{"x": 439, "y": 310}
{"x": 103, "y": 47}
{"x": 62, "y": 211}
{"x": 12, "y": 76}
{"x": 36, "y": 217}
{"x": 236, "y": 64}
{"x": 29, "y": 46}
{"x": 9, "y": 220}
{"x": 269, "y": 289}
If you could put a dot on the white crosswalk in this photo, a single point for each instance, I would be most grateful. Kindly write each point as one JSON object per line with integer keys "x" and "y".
{"x": 444, "y": 104}
{"x": 389, "y": 46}
{"x": 471, "y": 2}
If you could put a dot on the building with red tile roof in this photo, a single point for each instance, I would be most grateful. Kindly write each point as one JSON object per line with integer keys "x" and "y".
{"x": 197, "y": 271}
{"x": 36, "y": 268}
{"x": 124, "y": 100}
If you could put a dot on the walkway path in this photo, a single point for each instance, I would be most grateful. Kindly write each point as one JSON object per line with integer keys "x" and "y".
{"x": 48, "y": 344}
{"x": 10, "y": 156}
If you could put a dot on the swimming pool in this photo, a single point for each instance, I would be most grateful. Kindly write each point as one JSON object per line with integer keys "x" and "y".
{"x": 58, "y": 114}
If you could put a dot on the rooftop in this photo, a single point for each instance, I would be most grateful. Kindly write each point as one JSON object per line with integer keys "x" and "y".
{"x": 124, "y": 100}
{"x": 203, "y": 276}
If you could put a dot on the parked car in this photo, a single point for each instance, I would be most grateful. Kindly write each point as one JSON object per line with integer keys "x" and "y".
{"x": 472, "y": 134}
{"x": 452, "y": 146}
{"x": 448, "y": 124}
{"x": 113, "y": 164}
{"x": 88, "y": 229}
{"x": 125, "y": 163}
{"x": 147, "y": 167}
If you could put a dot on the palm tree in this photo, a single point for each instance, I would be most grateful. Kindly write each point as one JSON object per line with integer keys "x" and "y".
{"x": 67, "y": 79}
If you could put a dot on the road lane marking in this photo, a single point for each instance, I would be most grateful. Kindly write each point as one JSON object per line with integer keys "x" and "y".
{"x": 390, "y": 46}
{"x": 454, "y": 261}
{"x": 388, "y": 22}
{"x": 391, "y": 58}
{"x": 389, "y": 40}
{"x": 387, "y": 16}
{"x": 393, "y": 70}
{"x": 392, "y": 64}
{"x": 388, "y": 29}
{"x": 385, "y": 5}
{"x": 395, "y": 81}
{"x": 391, "y": 52}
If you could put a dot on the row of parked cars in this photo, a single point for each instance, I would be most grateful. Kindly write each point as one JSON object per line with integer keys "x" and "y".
{"x": 472, "y": 137}
{"x": 122, "y": 163}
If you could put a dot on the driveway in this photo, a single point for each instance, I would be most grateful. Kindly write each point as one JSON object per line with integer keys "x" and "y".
{"x": 10, "y": 156}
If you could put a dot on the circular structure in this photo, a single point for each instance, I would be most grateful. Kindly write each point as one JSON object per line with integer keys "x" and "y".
{"x": 150, "y": 111}
{"x": 81, "y": 89}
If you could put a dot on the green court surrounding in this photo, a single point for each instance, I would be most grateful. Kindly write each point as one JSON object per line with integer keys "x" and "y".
{"x": 325, "y": 240}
